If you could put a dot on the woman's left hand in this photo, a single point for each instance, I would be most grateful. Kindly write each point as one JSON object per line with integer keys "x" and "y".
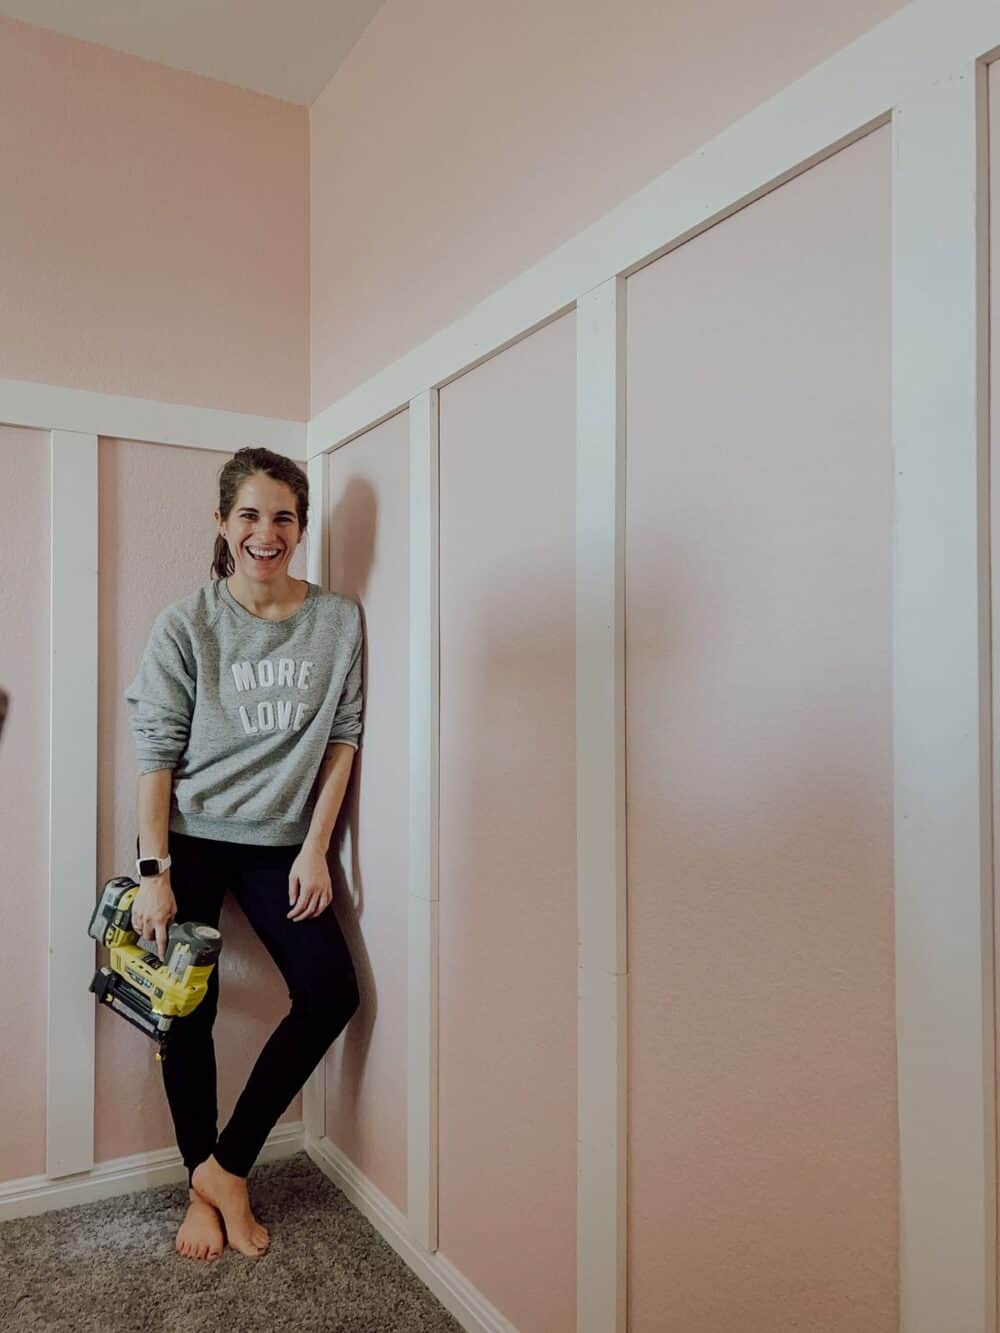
{"x": 309, "y": 888}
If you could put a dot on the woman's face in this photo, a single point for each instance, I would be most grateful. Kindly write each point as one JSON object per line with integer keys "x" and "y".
{"x": 264, "y": 519}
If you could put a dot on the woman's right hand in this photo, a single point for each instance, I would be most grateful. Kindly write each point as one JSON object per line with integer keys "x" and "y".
{"x": 153, "y": 909}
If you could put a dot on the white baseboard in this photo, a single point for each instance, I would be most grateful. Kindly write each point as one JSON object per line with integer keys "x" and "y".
{"x": 32, "y": 1195}
{"x": 455, "y": 1292}
{"x": 122, "y": 1175}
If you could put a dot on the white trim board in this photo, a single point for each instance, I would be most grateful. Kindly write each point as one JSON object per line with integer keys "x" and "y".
{"x": 422, "y": 897}
{"x": 942, "y": 709}
{"x": 73, "y": 651}
{"x": 39, "y": 406}
{"x": 602, "y": 958}
{"x": 32, "y": 1195}
{"x": 468, "y": 1305}
{"x": 834, "y": 104}
{"x": 314, "y": 1090}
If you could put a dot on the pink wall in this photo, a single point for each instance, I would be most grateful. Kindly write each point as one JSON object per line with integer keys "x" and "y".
{"x": 144, "y": 566}
{"x": 154, "y": 239}
{"x": 763, "y": 1134}
{"x": 368, "y": 512}
{"x": 458, "y": 144}
{"x": 24, "y": 791}
{"x": 507, "y": 1081}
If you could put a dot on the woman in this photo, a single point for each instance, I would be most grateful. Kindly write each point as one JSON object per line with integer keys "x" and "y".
{"x": 246, "y": 714}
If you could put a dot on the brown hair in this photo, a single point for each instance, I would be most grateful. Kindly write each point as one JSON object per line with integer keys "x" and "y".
{"x": 245, "y": 463}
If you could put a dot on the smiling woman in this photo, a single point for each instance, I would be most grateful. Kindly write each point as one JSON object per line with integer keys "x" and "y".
{"x": 262, "y": 517}
{"x": 243, "y": 793}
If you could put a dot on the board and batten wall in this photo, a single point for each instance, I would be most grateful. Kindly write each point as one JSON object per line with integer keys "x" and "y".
{"x": 566, "y": 109}
{"x": 24, "y": 790}
{"x": 156, "y": 539}
{"x": 508, "y": 929}
{"x": 762, "y": 1111}
{"x": 763, "y": 1173}
{"x": 762, "y": 1126}
{"x": 189, "y": 218}
{"x": 367, "y": 509}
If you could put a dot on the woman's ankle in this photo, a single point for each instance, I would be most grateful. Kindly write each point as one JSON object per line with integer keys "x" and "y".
{"x": 214, "y": 1167}
{"x": 226, "y": 1171}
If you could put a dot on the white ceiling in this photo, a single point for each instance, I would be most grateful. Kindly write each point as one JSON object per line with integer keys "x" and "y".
{"x": 288, "y": 48}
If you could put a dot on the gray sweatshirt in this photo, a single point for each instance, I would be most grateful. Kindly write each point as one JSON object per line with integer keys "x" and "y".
{"x": 243, "y": 709}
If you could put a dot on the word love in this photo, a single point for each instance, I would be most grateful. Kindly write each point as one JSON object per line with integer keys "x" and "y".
{"x": 278, "y": 714}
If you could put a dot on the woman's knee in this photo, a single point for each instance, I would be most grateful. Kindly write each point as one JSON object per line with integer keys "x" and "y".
{"x": 330, "y": 1003}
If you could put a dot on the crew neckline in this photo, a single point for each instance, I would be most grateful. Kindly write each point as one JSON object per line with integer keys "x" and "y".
{"x": 242, "y": 612}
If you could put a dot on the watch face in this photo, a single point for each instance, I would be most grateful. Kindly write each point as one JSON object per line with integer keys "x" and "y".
{"x": 149, "y": 865}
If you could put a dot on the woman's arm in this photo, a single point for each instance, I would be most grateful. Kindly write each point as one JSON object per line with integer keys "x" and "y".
{"x": 154, "y": 811}
{"x": 331, "y": 785}
{"x": 154, "y": 906}
{"x": 309, "y": 889}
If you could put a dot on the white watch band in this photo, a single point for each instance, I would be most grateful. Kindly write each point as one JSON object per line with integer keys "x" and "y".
{"x": 162, "y": 863}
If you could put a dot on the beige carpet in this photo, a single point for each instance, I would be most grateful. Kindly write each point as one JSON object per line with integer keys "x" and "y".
{"x": 112, "y": 1266}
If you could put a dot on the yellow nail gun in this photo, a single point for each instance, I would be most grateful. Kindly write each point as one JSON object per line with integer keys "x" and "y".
{"x": 147, "y": 992}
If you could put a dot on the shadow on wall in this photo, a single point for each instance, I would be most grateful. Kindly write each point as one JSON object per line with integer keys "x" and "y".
{"x": 351, "y": 556}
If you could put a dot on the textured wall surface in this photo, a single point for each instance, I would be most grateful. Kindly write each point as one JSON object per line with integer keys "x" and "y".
{"x": 154, "y": 234}
{"x": 508, "y": 1065}
{"x": 459, "y": 143}
{"x": 369, "y": 521}
{"x": 763, "y": 1153}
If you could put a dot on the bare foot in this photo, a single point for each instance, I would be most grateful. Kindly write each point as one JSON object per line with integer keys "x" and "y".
{"x": 200, "y": 1235}
{"x": 228, "y": 1193}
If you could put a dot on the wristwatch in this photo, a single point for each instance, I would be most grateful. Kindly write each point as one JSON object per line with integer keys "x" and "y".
{"x": 147, "y": 866}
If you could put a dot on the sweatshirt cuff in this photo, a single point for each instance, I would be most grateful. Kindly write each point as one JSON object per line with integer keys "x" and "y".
{"x": 154, "y": 765}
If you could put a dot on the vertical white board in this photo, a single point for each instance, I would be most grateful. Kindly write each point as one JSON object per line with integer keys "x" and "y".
{"x": 942, "y": 710}
{"x": 72, "y": 955}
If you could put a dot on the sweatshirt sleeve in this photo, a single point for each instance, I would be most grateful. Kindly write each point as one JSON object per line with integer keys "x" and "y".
{"x": 161, "y": 699}
{"x": 346, "y": 727}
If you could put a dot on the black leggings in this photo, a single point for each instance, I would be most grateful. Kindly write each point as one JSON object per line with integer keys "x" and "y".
{"x": 313, "y": 958}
